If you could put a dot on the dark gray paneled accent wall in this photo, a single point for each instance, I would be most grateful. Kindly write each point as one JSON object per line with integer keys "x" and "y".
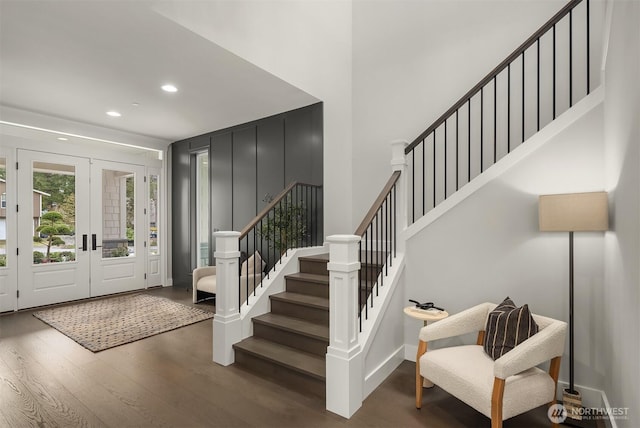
{"x": 220, "y": 155}
{"x": 244, "y": 177}
{"x": 248, "y": 163}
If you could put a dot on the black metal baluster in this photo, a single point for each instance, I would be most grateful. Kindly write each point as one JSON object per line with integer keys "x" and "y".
{"x": 445, "y": 159}
{"x": 588, "y": 53}
{"x": 360, "y": 286}
{"x": 413, "y": 186}
{"x": 434, "y": 167}
{"x": 457, "y": 132}
{"x": 317, "y": 216}
{"x": 495, "y": 118}
{"x": 469, "y": 138}
{"x": 378, "y": 248}
{"x": 509, "y": 108}
{"x": 482, "y": 129}
{"x": 255, "y": 248}
{"x": 276, "y": 250}
{"x": 554, "y": 71}
{"x": 571, "y": 58}
{"x": 523, "y": 103}
{"x": 424, "y": 174}
{"x": 538, "y": 100}
{"x": 295, "y": 224}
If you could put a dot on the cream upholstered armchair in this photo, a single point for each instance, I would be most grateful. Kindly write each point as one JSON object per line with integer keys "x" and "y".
{"x": 204, "y": 280}
{"x": 251, "y": 274}
{"x": 500, "y": 389}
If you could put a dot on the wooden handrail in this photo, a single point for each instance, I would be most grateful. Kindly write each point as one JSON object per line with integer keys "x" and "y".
{"x": 376, "y": 205}
{"x": 270, "y": 206}
{"x": 515, "y": 54}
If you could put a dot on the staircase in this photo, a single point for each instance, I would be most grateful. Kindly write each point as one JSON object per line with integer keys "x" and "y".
{"x": 290, "y": 342}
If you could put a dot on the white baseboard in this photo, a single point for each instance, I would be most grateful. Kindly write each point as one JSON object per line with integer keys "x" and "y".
{"x": 379, "y": 374}
{"x": 591, "y": 398}
{"x": 410, "y": 352}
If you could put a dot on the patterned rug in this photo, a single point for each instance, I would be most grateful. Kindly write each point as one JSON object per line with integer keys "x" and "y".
{"x": 103, "y": 324}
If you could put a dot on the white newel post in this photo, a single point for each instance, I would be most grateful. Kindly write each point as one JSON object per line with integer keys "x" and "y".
{"x": 227, "y": 325}
{"x": 399, "y": 163}
{"x": 344, "y": 355}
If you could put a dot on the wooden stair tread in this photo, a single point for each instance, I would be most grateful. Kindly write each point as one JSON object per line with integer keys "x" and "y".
{"x": 317, "y": 258}
{"x": 309, "y": 277}
{"x": 302, "y": 299}
{"x": 302, "y": 362}
{"x": 294, "y": 325}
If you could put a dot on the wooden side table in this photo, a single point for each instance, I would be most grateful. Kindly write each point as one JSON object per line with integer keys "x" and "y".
{"x": 425, "y": 315}
{"x": 428, "y": 315}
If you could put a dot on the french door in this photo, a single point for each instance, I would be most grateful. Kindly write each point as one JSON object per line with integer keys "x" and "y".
{"x": 118, "y": 227}
{"x": 53, "y": 228}
{"x": 81, "y": 228}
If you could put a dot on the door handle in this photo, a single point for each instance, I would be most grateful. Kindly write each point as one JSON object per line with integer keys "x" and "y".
{"x": 84, "y": 242}
{"x": 94, "y": 242}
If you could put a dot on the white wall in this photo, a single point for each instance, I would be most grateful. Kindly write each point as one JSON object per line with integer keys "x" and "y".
{"x": 413, "y": 59}
{"x": 488, "y": 246}
{"x": 307, "y": 44}
{"x": 621, "y": 346}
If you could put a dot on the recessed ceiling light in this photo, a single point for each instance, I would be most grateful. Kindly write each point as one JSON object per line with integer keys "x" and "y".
{"x": 113, "y": 113}
{"x": 63, "y": 139}
{"x": 169, "y": 88}
{"x": 135, "y": 104}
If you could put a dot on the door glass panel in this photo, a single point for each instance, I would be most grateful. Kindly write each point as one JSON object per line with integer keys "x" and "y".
{"x": 3, "y": 212}
{"x": 54, "y": 213}
{"x": 202, "y": 211}
{"x": 154, "y": 203}
{"x": 118, "y": 214}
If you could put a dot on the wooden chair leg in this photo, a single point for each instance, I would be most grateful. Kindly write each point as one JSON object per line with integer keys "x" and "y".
{"x": 496, "y": 403}
{"x": 422, "y": 348}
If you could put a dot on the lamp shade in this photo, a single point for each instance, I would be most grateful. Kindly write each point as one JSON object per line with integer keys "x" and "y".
{"x": 574, "y": 212}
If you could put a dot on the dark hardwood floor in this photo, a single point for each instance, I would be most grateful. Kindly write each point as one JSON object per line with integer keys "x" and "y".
{"x": 169, "y": 380}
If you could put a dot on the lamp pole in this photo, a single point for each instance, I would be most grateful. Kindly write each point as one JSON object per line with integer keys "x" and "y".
{"x": 571, "y": 388}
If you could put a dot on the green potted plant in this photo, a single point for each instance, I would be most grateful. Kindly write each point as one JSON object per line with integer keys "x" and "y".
{"x": 285, "y": 225}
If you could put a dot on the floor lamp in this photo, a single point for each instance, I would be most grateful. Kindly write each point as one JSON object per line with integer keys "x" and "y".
{"x": 573, "y": 212}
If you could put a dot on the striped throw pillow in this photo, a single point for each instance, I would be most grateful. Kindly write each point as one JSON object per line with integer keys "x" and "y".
{"x": 507, "y": 327}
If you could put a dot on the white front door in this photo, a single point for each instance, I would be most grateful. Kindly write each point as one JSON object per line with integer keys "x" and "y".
{"x": 53, "y": 254}
{"x": 8, "y": 257}
{"x": 119, "y": 227}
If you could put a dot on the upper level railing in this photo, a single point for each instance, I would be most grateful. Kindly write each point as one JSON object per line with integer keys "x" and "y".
{"x": 293, "y": 219}
{"x": 544, "y": 76}
{"x": 378, "y": 245}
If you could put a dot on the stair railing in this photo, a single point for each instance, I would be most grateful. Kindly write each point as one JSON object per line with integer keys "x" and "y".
{"x": 293, "y": 219}
{"x": 378, "y": 245}
{"x": 502, "y": 110}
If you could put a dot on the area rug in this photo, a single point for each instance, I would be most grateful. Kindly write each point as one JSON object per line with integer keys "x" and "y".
{"x": 103, "y": 324}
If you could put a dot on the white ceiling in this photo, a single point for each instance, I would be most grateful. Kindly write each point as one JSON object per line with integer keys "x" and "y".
{"x": 78, "y": 59}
